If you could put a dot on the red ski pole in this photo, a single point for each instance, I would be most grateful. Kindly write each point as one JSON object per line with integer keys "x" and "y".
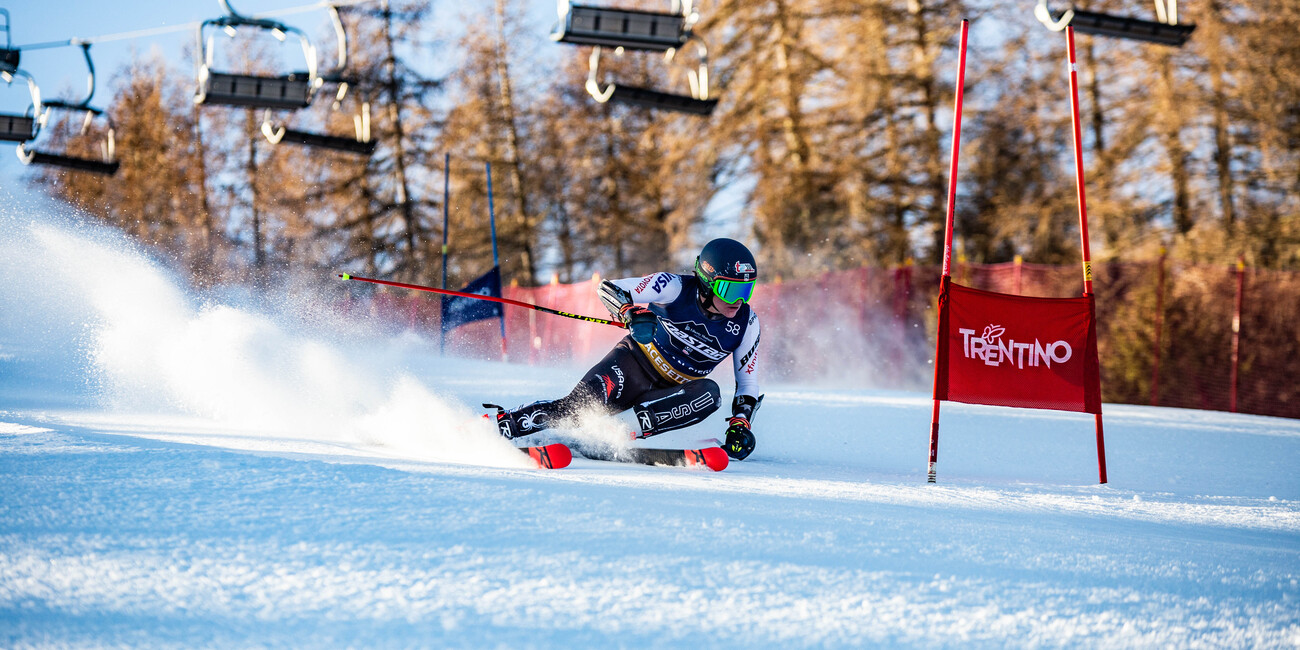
{"x": 475, "y": 296}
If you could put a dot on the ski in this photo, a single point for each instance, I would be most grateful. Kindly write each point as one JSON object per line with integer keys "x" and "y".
{"x": 553, "y": 456}
{"x": 713, "y": 458}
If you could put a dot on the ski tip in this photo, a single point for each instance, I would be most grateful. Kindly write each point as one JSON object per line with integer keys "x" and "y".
{"x": 560, "y": 457}
{"x": 715, "y": 458}
{"x": 345, "y": 276}
{"x": 556, "y": 456}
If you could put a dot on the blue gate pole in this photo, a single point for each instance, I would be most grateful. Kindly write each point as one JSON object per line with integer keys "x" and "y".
{"x": 496, "y": 260}
{"x": 446, "y": 198}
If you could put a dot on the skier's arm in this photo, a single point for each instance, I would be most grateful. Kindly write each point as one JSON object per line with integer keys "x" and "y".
{"x": 740, "y": 440}
{"x": 660, "y": 288}
{"x": 745, "y": 362}
{"x": 620, "y": 297}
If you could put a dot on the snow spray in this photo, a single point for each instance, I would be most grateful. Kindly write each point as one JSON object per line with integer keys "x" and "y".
{"x": 120, "y": 328}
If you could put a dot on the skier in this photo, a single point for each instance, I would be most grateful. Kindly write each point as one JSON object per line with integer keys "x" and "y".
{"x": 659, "y": 368}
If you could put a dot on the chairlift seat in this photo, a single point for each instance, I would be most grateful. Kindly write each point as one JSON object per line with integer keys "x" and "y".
{"x": 1150, "y": 31}
{"x": 647, "y": 98}
{"x": 627, "y": 28}
{"x": 334, "y": 142}
{"x": 71, "y": 162}
{"x": 17, "y": 128}
{"x": 289, "y": 92}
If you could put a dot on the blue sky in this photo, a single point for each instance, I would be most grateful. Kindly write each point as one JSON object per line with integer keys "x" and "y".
{"x": 44, "y": 21}
{"x": 61, "y": 71}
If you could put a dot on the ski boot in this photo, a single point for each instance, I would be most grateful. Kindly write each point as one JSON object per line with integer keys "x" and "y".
{"x": 506, "y": 424}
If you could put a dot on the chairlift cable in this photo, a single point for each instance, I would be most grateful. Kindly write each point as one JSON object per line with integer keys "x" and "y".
{"x": 158, "y": 31}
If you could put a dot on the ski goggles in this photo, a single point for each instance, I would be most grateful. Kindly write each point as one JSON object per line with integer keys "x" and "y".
{"x": 732, "y": 291}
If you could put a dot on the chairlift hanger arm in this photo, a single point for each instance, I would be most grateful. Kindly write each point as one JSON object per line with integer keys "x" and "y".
{"x": 35, "y": 90}
{"x": 84, "y": 104}
{"x": 342, "y": 36}
{"x": 9, "y": 56}
{"x": 21, "y": 127}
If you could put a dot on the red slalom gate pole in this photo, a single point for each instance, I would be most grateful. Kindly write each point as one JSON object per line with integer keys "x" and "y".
{"x": 1236, "y": 334}
{"x": 1159, "y": 326}
{"x": 475, "y": 296}
{"x": 947, "y": 247}
{"x": 1083, "y": 222}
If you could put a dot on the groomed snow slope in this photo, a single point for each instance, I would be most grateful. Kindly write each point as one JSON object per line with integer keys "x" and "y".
{"x": 190, "y": 471}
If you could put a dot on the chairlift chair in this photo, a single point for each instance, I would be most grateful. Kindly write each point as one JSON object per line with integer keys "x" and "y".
{"x": 628, "y": 29}
{"x": 291, "y": 91}
{"x": 17, "y": 127}
{"x": 1165, "y": 31}
{"x": 698, "y": 102}
{"x": 359, "y": 143}
{"x": 107, "y": 164}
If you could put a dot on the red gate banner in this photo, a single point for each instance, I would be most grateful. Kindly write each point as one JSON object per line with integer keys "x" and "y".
{"x": 1007, "y": 350}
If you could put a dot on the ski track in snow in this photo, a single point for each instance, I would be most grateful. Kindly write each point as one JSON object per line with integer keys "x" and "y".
{"x": 168, "y": 544}
{"x": 178, "y": 471}
{"x": 149, "y": 543}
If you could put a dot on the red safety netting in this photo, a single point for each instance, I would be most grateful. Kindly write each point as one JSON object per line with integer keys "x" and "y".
{"x": 874, "y": 327}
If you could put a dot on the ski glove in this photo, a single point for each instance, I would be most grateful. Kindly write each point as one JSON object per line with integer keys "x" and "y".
{"x": 614, "y": 297}
{"x": 641, "y": 323}
{"x": 740, "y": 440}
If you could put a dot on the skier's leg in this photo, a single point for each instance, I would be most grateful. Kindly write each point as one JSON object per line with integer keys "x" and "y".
{"x": 678, "y": 407}
{"x": 607, "y": 386}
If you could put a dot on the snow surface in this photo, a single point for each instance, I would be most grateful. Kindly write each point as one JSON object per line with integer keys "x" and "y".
{"x": 181, "y": 469}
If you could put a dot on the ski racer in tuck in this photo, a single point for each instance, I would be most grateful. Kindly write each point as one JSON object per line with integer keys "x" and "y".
{"x": 659, "y": 369}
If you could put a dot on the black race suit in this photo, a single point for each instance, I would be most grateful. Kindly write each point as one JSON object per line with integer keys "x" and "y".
{"x": 664, "y": 380}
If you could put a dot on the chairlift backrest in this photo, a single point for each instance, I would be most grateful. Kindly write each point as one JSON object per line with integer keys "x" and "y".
{"x": 21, "y": 127}
{"x": 290, "y": 91}
{"x": 648, "y": 98}
{"x": 1106, "y": 25}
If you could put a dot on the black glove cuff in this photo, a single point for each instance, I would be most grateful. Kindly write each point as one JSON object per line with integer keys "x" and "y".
{"x": 745, "y": 406}
{"x": 641, "y": 324}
